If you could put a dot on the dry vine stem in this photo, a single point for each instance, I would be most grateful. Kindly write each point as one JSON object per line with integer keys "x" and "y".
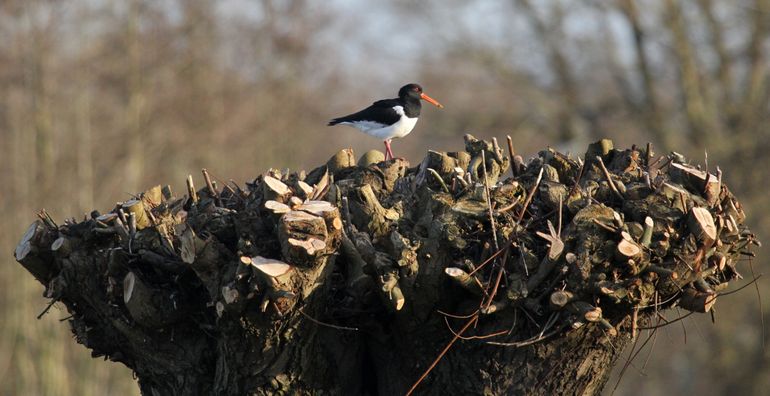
{"x": 259, "y": 289}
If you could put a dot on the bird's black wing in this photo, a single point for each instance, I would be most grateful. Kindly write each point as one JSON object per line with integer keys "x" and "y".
{"x": 380, "y": 111}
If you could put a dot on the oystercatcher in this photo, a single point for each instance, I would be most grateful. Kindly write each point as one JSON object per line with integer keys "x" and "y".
{"x": 390, "y": 118}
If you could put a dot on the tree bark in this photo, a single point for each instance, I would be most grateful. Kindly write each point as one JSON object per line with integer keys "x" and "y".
{"x": 361, "y": 291}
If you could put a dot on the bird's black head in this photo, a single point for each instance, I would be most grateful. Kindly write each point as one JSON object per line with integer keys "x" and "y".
{"x": 413, "y": 92}
{"x": 410, "y": 91}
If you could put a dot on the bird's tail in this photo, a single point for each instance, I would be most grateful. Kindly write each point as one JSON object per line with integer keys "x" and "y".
{"x": 334, "y": 121}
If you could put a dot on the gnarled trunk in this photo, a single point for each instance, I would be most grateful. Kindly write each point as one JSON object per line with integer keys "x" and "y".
{"x": 382, "y": 279}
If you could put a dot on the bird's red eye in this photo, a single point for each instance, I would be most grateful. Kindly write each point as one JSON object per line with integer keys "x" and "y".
{"x": 416, "y": 89}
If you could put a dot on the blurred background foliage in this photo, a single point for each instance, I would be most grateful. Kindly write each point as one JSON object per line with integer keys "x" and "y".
{"x": 103, "y": 98}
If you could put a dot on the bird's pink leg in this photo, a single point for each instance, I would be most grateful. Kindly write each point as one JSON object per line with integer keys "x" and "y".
{"x": 388, "y": 152}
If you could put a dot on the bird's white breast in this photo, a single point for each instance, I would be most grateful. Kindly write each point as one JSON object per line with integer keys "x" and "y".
{"x": 398, "y": 130}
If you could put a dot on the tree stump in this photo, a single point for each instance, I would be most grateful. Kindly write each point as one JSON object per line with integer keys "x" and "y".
{"x": 370, "y": 277}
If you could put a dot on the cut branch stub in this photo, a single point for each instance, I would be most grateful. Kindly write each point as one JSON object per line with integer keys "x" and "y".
{"x": 696, "y": 301}
{"x": 559, "y": 299}
{"x": 205, "y": 257}
{"x": 678, "y": 196}
{"x": 702, "y": 225}
{"x": 153, "y": 196}
{"x": 376, "y": 218}
{"x": 275, "y": 274}
{"x": 494, "y": 161}
{"x": 358, "y": 281}
{"x": 649, "y": 226}
{"x": 627, "y": 249}
{"x": 343, "y": 159}
{"x": 277, "y": 278}
{"x": 322, "y": 186}
{"x": 150, "y": 306}
{"x": 230, "y": 294}
{"x": 277, "y": 207}
{"x": 270, "y": 267}
{"x": 61, "y": 247}
{"x": 403, "y": 251}
{"x": 697, "y": 181}
{"x": 30, "y": 255}
{"x": 391, "y": 291}
{"x": 275, "y": 190}
{"x": 107, "y": 218}
{"x": 303, "y": 189}
{"x": 440, "y": 162}
{"x": 371, "y": 157}
{"x": 325, "y": 210}
{"x": 585, "y": 311}
{"x": 303, "y": 238}
{"x": 463, "y": 279}
{"x": 189, "y": 245}
{"x": 555, "y": 250}
{"x": 556, "y": 246}
{"x": 136, "y": 206}
{"x": 602, "y": 149}
{"x": 294, "y": 202}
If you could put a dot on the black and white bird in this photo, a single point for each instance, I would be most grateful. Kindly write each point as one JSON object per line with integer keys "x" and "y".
{"x": 390, "y": 118}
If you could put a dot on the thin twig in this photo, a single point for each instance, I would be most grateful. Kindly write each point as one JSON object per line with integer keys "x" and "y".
{"x": 648, "y": 155}
{"x": 511, "y": 154}
{"x": 661, "y": 303}
{"x": 191, "y": 189}
{"x": 47, "y": 308}
{"x": 210, "y": 186}
{"x": 756, "y": 278}
{"x": 530, "y": 341}
{"x": 655, "y": 162}
{"x": 515, "y": 319}
{"x": 474, "y": 313}
{"x": 550, "y": 322}
{"x": 506, "y": 208}
{"x": 626, "y": 364}
{"x": 654, "y": 333}
{"x": 523, "y": 263}
{"x": 50, "y": 219}
{"x": 558, "y": 231}
{"x": 318, "y": 322}
{"x": 481, "y": 337}
{"x": 667, "y": 323}
{"x": 684, "y": 328}
{"x": 531, "y": 319}
{"x": 606, "y": 173}
{"x": 346, "y": 215}
{"x": 577, "y": 181}
{"x": 492, "y": 257}
{"x": 638, "y": 351}
{"x": 530, "y": 196}
{"x": 439, "y": 179}
{"x": 489, "y": 201}
{"x": 131, "y": 231}
{"x": 47, "y": 219}
{"x": 441, "y": 355}
{"x": 605, "y": 226}
{"x": 705, "y": 187}
{"x": 494, "y": 230}
{"x": 759, "y": 300}
{"x": 682, "y": 200}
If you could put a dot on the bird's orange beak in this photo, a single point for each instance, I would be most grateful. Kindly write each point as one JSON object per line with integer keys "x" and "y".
{"x": 431, "y": 100}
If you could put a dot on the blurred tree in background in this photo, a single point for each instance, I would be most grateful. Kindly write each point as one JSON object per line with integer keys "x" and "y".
{"x": 115, "y": 96}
